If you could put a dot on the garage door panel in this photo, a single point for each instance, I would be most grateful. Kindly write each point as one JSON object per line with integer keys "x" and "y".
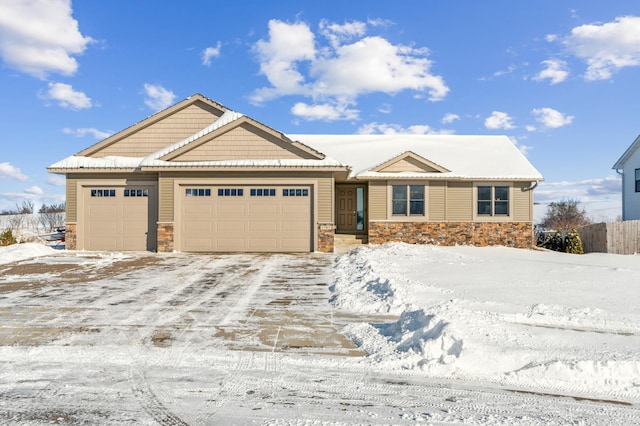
{"x": 263, "y": 226}
{"x": 292, "y": 227}
{"x": 263, "y": 244}
{"x": 226, "y": 208}
{"x": 260, "y": 220}
{"x": 117, "y": 222}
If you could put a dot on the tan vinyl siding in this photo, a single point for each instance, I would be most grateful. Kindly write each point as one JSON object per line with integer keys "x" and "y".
{"x": 407, "y": 165}
{"x": 377, "y": 200}
{"x": 159, "y": 135}
{"x": 325, "y": 200}
{"x": 72, "y": 200}
{"x": 522, "y": 203}
{"x": 437, "y": 200}
{"x": 166, "y": 202}
{"x": 240, "y": 143}
{"x": 459, "y": 202}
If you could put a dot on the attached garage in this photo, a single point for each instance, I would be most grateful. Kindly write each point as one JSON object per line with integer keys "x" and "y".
{"x": 246, "y": 218}
{"x": 119, "y": 218}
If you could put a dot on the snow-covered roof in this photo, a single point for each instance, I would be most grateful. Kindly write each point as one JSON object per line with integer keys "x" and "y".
{"x": 467, "y": 157}
{"x": 456, "y": 156}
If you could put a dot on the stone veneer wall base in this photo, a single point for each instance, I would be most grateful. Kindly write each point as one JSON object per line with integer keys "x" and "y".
{"x": 509, "y": 234}
{"x": 326, "y": 236}
{"x": 165, "y": 237}
{"x": 71, "y": 236}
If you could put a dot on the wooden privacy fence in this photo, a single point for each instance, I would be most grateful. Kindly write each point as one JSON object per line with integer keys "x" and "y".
{"x": 612, "y": 237}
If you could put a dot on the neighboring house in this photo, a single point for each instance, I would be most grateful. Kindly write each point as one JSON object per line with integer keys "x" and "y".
{"x": 629, "y": 167}
{"x": 198, "y": 177}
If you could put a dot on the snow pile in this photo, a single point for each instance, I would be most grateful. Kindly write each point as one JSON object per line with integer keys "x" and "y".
{"x": 521, "y": 318}
{"x": 17, "y": 252}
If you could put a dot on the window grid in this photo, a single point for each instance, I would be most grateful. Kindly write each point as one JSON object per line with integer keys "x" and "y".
{"x": 198, "y": 192}
{"x": 637, "y": 180}
{"x": 103, "y": 192}
{"x": 262, "y": 192}
{"x": 136, "y": 192}
{"x": 298, "y": 192}
{"x": 407, "y": 200}
{"x": 493, "y": 201}
{"x": 230, "y": 192}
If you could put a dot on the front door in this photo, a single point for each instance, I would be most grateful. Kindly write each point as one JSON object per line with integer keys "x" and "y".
{"x": 350, "y": 208}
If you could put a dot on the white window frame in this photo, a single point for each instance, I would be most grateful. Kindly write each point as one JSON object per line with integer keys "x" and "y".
{"x": 407, "y": 217}
{"x": 492, "y": 217}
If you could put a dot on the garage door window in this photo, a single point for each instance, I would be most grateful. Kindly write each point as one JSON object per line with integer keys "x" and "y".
{"x": 295, "y": 192}
{"x": 136, "y": 192}
{"x": 262, "y": 192}
{"x": 198, "y": 192}
{"x": 230, "y": 192}
{"x": 103, "y": 192}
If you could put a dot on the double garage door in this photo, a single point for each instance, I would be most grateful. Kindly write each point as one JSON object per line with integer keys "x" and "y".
{"x": 119, "y": 218}
{"x": 258, "y": 218}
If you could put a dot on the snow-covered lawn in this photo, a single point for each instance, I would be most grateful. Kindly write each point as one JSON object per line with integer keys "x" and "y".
{"x": 552, "y": 322}
{"x": 444, "y": 336}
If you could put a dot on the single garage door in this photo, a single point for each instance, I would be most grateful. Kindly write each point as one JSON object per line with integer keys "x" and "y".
{"x": 118, "y": 218}
{"x": 246, "y": 219}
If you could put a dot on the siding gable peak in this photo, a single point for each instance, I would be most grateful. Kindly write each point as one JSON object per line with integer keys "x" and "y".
{"x": 409, "y": 162}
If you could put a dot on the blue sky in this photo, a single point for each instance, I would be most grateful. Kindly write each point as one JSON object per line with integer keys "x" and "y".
{"x": 560, "y": 77}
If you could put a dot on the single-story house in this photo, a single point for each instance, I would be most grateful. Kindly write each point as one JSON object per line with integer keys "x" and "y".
{"x": 629, "y": 167}
{"x": 199, "y": 177}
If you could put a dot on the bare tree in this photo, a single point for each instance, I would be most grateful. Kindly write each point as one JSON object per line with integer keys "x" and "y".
{"x": 565, "y": 215}
{"x": 52, "y": 216}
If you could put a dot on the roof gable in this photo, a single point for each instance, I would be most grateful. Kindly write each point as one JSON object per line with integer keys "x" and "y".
{"x": 627, "y": 154}
{"x": 159, "y": 130}
{"x": 409, "y": 162}
{"x": 236, "y": 137}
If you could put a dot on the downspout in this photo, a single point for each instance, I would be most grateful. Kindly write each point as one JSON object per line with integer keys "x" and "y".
{"x": 532, "y": 187}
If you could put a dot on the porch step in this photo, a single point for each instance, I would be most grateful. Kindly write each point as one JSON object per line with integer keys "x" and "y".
{"x": 345, "y": 242}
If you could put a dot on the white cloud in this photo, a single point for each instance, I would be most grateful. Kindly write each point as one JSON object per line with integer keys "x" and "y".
{"x": 385, "y": 109}
{"x": 39, "y": 37}
{"x": 56, "y": 180}
{"x": 524, "y": 149}
{"x": 555, "y": 71}
{"x": 83, "y": 131}
{"x": 67, "y": 97}
{"x": 396, "y": 129}
{"x": 601, "y": 197}
{"x": 351, "y": 65}
{"x": 607, "y": 47}
{"x": 325, "y": 112}
{"x": 499, "y": 120}
{"x": 337, "y": 34}
{"x": 7, "y": 170}
{"x": 530, "y": 128}
{"x": 550, "y": 118}
{"x": 158, "y": 98}
{"x": 450, "y": 118}
{"x": 34, "y": 190}
{"x": 210, "y": 52}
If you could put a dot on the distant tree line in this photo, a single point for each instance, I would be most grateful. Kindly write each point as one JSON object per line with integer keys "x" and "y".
{"x": 50, "y": 216}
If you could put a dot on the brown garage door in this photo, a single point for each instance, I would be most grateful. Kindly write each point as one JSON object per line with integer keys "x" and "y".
{"x": 118, "y": 218}
{"x": 246, "y": 219}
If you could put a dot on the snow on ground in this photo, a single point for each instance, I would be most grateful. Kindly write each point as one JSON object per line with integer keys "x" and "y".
{"x": 520, "y": 318}
{"x": 17, "y": 252}
{"x": 456, "y": 335}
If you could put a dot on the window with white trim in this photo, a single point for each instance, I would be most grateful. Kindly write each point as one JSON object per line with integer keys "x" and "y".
{"x": 493, "y": 201}
{"x": 637, "y": 180}
{"x": 407, "y": 200}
